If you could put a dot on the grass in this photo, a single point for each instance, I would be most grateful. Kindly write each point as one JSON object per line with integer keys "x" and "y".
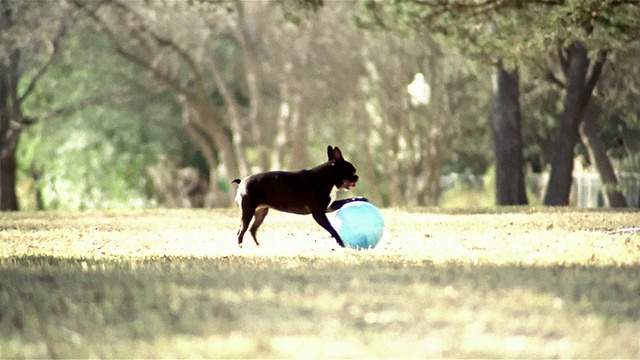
{"x": 523, "y": 283}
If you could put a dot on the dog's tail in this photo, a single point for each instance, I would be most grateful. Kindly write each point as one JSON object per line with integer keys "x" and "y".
{"x": 236, "y": 181}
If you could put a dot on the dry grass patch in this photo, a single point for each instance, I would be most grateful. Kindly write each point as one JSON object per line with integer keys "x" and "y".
{"x": 506, "y": 283}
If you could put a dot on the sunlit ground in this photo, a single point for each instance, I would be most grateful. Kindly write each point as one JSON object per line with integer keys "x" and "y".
{"x": 505, "y": 283}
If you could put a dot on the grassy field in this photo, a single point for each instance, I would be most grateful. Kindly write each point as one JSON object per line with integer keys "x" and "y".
{"x": 523, "y": 283}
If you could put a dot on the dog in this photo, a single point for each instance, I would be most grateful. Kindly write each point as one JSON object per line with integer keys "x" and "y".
{"x": 302, "y": 192}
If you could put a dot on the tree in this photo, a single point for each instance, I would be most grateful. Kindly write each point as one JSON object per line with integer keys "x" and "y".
{"x": 581, "y": 78}
{"x": 105, "y": 128}
{"x": 507, "y": 137}
{"x": 404, "y": 148}
{"x": 598, "y": 156}
{"x": 578, "y": 121}
{"x": 617, "y": 100}
{"x": 583, "y": 32}
{"x": 314, "y": 89}
{"x": 610, "y": 124}
{"x": 506, "y": 118}
{"x": 173, "y": 41}
{"x": 31, "y": 33}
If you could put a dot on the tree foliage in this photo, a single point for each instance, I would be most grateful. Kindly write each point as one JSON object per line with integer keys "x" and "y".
{"x": 577, "y": 35}
{"x": 30, "y": 35}
{"x": 231, "y": 88}
{"x": 109, "y": 127}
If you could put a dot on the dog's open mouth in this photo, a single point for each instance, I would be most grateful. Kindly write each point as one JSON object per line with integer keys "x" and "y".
{"x": 348, "y": 185}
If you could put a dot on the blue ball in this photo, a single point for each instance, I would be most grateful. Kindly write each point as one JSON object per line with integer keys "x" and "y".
{"x": 359, "y": 224}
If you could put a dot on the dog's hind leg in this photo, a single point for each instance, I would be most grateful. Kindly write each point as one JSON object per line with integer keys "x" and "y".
{"x": 247, "y": 214}
{"x": 259, "y": 216}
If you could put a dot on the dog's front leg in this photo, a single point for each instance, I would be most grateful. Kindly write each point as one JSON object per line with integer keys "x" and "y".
{"x": 339, "y": 203}
{"x": 321, "y": 219}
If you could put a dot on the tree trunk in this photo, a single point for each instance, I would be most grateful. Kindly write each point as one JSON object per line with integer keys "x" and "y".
{"x": 279, "y": 148}
{"x": 300, "y": 134}
{"x": 232, "y": 149}
{"x": 8, "y": 197}
{"x": 433, "y": 128}
{"x": 578, "y": 88}
{"x": 36, "y": 176}
{"x": 8, "y": 136}
{"x": 366, "y": 158}
{"x": 216, "y": 145}
{"x": 252, "y": 77}
{"x": 396, "y": 179}
{"x": 507, "y": 138}
{"x": 598, "y": 156}
{"x": 432, "y": 161}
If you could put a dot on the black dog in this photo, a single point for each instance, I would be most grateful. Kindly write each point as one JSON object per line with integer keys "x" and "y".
{"x": 302, "y": 192}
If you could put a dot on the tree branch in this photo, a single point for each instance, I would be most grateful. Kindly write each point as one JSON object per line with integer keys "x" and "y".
{"x": 593, "y": 76}
{"x": 552, "y": 78}
{"x": 198, "y": 134}
{"x": 249, "y": 60}
{"x": 225, "y": 91}
{"x": 45, "y": 66}
{"x": 564, "y": 61}
{"x": 461, "y": 5}
{"x": 89, "y": 101}
{"x": 165, "y": 42}
{"x": 134, "y": 57}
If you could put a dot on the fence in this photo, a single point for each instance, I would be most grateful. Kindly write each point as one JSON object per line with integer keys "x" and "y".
{"x": 586, "y": 192}
{"x": 587, "y": 189}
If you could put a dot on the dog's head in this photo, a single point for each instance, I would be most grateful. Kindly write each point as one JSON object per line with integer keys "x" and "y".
{"x": 344, "y": 172}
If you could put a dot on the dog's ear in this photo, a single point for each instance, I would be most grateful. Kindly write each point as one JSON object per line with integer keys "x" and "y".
{"x": 330, "y": 153}
{"x": 337, "y": 155}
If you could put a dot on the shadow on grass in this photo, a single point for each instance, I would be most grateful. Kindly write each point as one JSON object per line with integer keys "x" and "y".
{"x": 515, "y": 209}
{"x": 58, "y": 307}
